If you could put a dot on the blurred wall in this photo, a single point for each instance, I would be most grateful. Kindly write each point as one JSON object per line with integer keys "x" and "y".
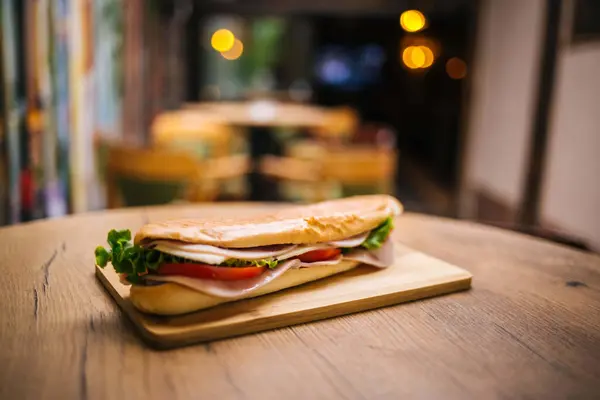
{"x": 503, "y": 93}
{"x": 508, "y": 46}
{"x": 571, "y": 195}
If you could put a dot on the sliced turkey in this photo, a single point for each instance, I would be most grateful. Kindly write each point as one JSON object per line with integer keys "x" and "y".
{"x": 381, "y": 257}
{"x": 254, "y": 253}
{"x": 216, "y": 255}
{"x": 227, "y": 289}
{"x": 207, "y": 258}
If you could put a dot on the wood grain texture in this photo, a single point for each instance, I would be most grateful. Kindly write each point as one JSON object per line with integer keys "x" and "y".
{"x": 529, "y": 327}
{"x": 413, "y": 276}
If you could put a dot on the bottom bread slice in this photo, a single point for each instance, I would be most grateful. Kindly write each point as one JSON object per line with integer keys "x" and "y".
{"x": 173, "y": 299}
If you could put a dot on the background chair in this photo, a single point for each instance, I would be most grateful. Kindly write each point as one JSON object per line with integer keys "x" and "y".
{"x": 206, "y": 136}
{"x": 200, "y": 133}
{"x": 339, "y": 125}
{"x": 137, "y": 177}
{"x": 332, "y": 172}
{"x": 152, "y": 176}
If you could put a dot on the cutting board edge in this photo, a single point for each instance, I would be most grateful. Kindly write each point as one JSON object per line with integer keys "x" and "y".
{"x": 171, "y": 341}
{"x": 164, "y": 341}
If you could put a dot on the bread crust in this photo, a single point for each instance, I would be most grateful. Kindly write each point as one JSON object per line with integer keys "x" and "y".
{"x": 174, "y": 299}
{"x": 315, "y": 223}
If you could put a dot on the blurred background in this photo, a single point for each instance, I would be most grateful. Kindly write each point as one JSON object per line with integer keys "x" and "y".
{"x": 483, "y": 110}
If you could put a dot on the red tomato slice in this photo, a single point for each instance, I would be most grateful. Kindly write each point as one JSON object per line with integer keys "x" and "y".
{"x": 319, "y": 255}
{"x": 204, "y": 271}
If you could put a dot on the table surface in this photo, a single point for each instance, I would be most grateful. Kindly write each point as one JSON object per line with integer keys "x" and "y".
{"x": 266, "y": 113}
{"x": 530, "y": 327}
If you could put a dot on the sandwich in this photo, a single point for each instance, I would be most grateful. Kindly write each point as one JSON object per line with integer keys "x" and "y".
{"x": 180, "y": 266}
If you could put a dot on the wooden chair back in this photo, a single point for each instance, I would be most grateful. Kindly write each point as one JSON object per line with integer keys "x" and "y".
{"x": 201, "y": 133}
{"x": 339, "y": 124}
{"x": 212, "y": 141}
{"x": 338, "y": 171}
{"x": 137, "y": 176}
{"x": 359, "y": 165}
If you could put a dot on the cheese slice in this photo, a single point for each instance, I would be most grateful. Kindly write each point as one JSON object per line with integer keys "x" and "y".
{"x": 216, "y": 255}
{"x": 382, "y": 257}
{"x": 350, "y": 242}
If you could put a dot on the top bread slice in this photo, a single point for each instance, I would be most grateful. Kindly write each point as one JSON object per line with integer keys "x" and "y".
{"x": 308, "y": 224}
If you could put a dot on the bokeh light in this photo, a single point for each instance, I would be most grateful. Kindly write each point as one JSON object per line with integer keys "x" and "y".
{"x": 429, "y": 58}
{"x": 456, "y": 68}
{"x": 222, "y": 40}
{"x": 262, "y": 110}
{"x": 235, "y": 51}
{"x": 412, "y": 20}
{"x": 407, "y": 57}
{"x": 415, "y": 57}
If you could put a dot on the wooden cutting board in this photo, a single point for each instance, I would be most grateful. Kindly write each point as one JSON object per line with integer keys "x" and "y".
{"x": 413, "y": 276}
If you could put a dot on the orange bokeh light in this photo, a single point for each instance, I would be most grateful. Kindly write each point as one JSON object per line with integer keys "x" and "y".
{"x": 456, "y": 68}
{"x": 235, "y": 52}
{"x": 418, "y": 57}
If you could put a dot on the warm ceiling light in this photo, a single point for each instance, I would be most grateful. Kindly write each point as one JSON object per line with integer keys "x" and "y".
{"x": 235, "y": 52}
{"x": 412, "y": 20}
{"x": 406, "y": 57}
{"x": 415, "y": 57}
{"x": 222, "y": 40}
{"x": 429, "y": 58}
{"x": 456, "y": 68}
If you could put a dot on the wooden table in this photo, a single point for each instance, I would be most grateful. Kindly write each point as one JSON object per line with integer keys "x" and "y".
{"x": 260, "y": 117}
{"x": 265, "y": 113}
{"x": 529, "y": 328}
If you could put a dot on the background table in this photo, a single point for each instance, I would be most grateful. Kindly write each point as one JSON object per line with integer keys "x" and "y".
{"x": 530, "y": 327}
{"x": 266, "y": 113}
{"x": 260, "y": 117}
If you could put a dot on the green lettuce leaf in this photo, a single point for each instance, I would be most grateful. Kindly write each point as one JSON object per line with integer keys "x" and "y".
{"x": 102, "y": 256}
{"x": 376, "y": 237}
{"x": 134, "y": 261}
{"x": 269, "y": 263}
{"x": 379, "y": 235}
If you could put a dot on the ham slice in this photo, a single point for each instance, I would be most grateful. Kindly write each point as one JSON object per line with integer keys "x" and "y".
{"x": 286, "y": 254}
{"x": 227, "y": 289}
{"x": 381, "y": 258}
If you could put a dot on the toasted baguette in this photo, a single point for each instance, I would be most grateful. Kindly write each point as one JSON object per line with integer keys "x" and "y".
{"x": 173, "y": 299}
{"x": 315, "y": 223}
